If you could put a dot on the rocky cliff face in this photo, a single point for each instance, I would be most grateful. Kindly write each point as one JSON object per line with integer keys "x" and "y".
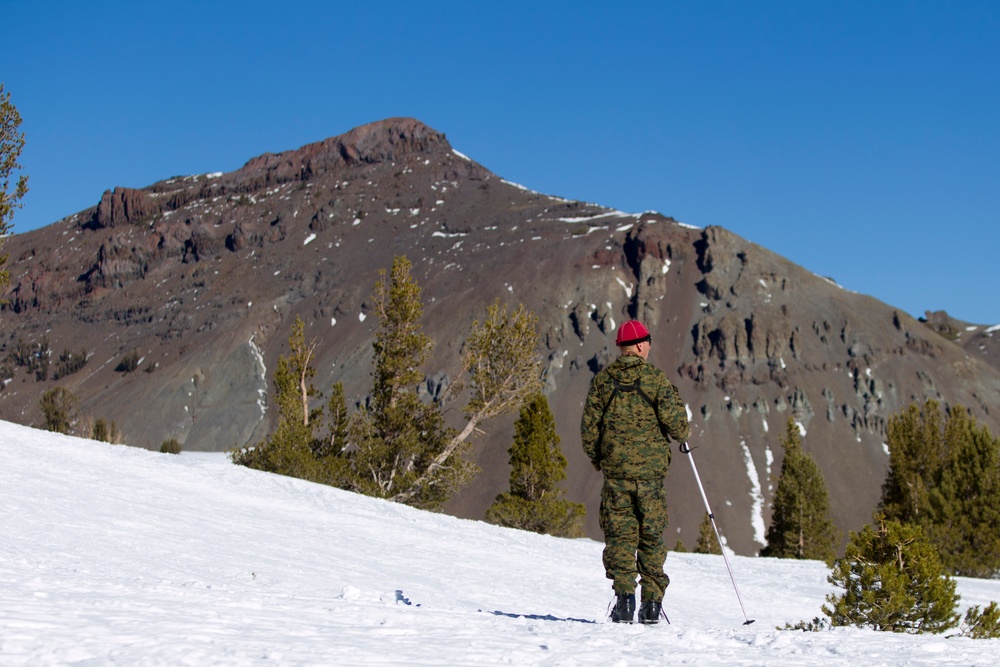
{"x": 201, "y": 277}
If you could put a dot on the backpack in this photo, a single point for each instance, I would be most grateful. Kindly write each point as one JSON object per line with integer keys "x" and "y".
{"x": 635, "y": 386}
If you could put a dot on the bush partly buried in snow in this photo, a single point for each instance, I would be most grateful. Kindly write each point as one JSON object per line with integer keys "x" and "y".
{"x": 170, "y": 446}
{"x": 982, "y": 624}
{"x": 893, "y": 580}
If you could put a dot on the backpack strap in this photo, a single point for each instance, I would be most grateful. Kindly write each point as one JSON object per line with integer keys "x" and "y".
{"x": 635, "y": 386}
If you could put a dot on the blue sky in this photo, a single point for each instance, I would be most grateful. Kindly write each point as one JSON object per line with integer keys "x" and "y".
{"x": 860, "y": 140}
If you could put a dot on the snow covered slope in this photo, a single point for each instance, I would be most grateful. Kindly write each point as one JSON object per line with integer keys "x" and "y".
{"x": 119, "y": 556}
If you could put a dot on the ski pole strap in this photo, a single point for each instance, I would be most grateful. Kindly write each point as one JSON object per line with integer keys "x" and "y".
{"x": 685, "y": 448}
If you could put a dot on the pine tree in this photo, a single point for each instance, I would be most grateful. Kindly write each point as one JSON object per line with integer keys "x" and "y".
{"x": 331, "y": 451}
{"x": 965, "y": 504}
{"x": 893, "y": 581}
{"x": 106, "y": 432}
{"x": 708, "y": 541}
{"x": 918, "y": 450}
{"x": 336, "y": 441}
{"x": 399, "y": 436}
{"x": 982, "y": 623}
{"x": 171, "y": 446}
{"x": 298, "y": 366}
{"x": 59, "y": 407}
{"x": 11, "y": 144}
{"x": 944, "y": 476}
{"x": 534, "y": 501}
{"x": 801, "y": 526}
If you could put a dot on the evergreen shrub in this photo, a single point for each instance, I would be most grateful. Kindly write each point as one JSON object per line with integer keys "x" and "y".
{"x": 893, "y": 581}
{"x": 170, "y": 446}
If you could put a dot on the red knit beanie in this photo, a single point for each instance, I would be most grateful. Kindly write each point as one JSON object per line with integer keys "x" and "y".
{"x": 630, "y": 333}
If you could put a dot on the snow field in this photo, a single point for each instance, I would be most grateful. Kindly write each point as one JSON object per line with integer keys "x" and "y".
{"x": 120, "y": 556}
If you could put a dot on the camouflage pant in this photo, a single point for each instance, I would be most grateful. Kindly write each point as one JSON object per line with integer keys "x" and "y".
{"x": 633, "y": 518}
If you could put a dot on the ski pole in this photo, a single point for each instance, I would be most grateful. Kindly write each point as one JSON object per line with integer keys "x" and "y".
{"x": 686, "y": 449}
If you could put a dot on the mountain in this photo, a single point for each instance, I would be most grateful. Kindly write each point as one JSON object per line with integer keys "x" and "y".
{"x": 189, "y": 560}
{"x": 182, "y": 295}
{"x": 976, "y": 339}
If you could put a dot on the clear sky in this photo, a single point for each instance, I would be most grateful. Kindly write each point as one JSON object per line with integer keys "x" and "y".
{"x": 860, "y": 140}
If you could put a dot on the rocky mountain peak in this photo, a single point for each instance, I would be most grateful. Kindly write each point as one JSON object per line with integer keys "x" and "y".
{"x": 383, "y": 141}
{"x": 386, "y": 141}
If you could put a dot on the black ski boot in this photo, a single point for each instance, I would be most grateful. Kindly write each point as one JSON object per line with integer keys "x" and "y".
{"x": 624, "y": 608}
{"x": 650, "y": 612}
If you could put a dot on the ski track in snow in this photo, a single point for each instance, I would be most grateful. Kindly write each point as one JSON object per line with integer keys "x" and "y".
{"x": 111, "y": 555}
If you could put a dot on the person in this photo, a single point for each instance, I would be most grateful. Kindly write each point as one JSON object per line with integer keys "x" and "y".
{"x": 631, "y": 412}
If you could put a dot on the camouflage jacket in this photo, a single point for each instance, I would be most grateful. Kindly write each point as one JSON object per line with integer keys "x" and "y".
{"x": 622, "y": 431}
